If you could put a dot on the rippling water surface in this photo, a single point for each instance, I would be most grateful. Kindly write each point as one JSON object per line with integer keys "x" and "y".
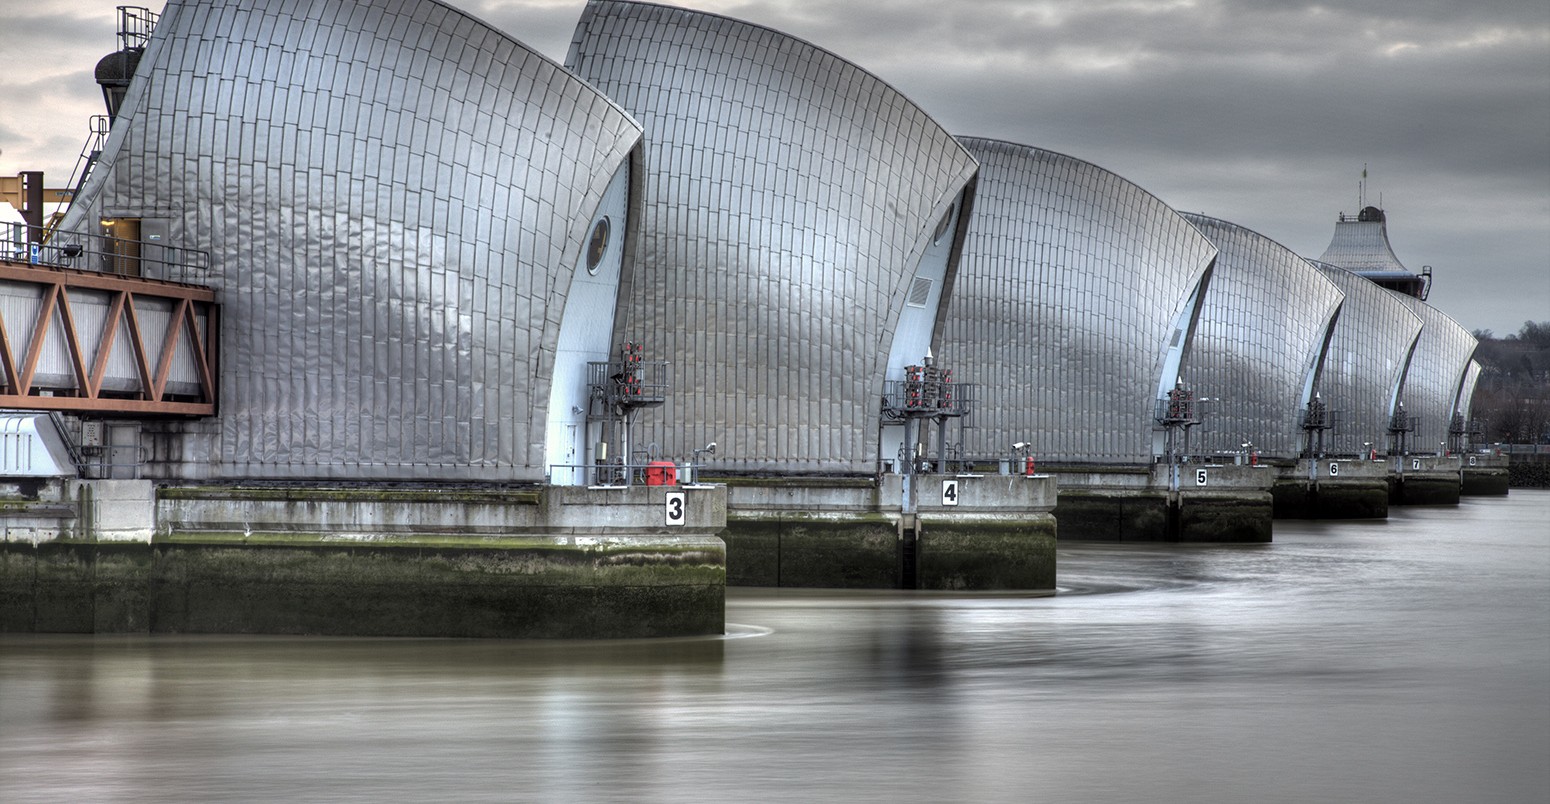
{"x": 1397, "y": 661}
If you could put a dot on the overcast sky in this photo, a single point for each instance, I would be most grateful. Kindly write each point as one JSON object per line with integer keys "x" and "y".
{"x": 1261, "y": 112}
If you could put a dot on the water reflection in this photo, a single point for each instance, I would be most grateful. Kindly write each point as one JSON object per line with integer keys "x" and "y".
{"x": 1394, "y": 661}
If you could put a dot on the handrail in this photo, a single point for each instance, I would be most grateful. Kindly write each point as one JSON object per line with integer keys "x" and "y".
{"x": 135, "y": 26}
{"x": 655, "y": 473}
{"x": 103, "y": 253}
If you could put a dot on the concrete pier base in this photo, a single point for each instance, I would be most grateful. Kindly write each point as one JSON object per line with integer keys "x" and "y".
{"x": 1332, "y": 489}
{"x": 855, "y": 533}
{"x": 545, "y": 563}
{"x": 1213, "y": 503}
{"x": 1425, "y": 480}
{"x": 1485, "y": 476}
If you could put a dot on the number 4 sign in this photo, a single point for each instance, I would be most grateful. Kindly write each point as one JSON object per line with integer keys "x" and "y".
{"x": 675, "y": 508}
{"x": 949, "y": 492}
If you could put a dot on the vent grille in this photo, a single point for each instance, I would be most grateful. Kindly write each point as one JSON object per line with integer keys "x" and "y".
{"x": 920, "y": 291}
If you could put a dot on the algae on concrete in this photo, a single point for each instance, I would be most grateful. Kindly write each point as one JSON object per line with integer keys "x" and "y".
{"x": 1112, "y": 516}
{"x": 987, "y": 554}
{"x": 812, "y": 552}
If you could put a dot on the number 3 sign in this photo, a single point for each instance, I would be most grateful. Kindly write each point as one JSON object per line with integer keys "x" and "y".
{"x": 675, "y": 508}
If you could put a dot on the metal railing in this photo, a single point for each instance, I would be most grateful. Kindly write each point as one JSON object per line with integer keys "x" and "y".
{"x": 104, "y": 253}
{"x": 98, "y": 128}
{"x": 1182, "y": 409}
{"x": 629, "y": 384}
{"x": 1320, "y": 419}
{"x": 928, "y": 398}
{"x": 653, "y": 473}
{"x": 135, "y": 26}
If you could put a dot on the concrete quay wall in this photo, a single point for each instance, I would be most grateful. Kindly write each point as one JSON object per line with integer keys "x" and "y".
{"x": 1327, "y": 488}
{"x": 1425, "y": 479}
{"x": 958, "y": 532}
{"x": 540, "y": 563}
{"x": 1485, "y": 475}
{"x": 1207, "y": 503}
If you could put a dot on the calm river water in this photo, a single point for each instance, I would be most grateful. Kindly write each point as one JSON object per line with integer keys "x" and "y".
{"x": 1397, "y": 661}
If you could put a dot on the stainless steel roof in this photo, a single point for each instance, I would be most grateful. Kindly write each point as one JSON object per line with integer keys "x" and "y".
{"x": 1366, "y": 361}
{"x": 1263, "y": 328}
{"x": 1442, "y": 356}
{"x": 1071, "y": 283}
{"x": 394, "y": 196}
{"x": 788, "y": 196}
{"x": 1361, "y": 244}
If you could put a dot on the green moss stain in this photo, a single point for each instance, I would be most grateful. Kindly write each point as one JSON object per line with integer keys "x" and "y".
{"x": 620, "y": 589}
{"x": 794, "y": 482}
{"x": 351, "y": 495}
{"x": 988, "y": 554}
{"x": 1086, "y": 516}
{"x": 1225, "y": 519}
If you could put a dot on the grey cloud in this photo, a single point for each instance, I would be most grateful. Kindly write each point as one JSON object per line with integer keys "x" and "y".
{"x": 64, "y": 25}
{"x": 1261, "y": 112}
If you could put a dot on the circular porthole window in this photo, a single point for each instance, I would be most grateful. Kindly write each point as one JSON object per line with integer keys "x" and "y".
{"x": 945, "y": 224}
{"x": 597, "y": 244}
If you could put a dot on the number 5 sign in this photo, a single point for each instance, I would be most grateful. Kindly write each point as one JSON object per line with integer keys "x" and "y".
{"x": 675, "y": 508}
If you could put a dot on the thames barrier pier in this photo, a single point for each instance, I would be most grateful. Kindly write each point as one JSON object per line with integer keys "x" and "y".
{"x": 125, "y": 556}
{"x": 1333, "y": 488}
{"x": 1484, "y": 475}
{"x": 960, "y": 532}
{"x": 368, "y": 319}
{"x": 1193, "y": 502}
{"x": 379, "y": 417}
{"x": 1431, "y": 405}
{"x": 809, "y": 267}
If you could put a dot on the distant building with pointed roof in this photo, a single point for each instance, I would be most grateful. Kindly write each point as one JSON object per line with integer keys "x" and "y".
{"x": 1361, "y": 246}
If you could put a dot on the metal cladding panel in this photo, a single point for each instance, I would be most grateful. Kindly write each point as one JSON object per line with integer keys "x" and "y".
{"x": 393, "y": 195}
{"x": 1263, "y": 328}
{"x": 1066, "y": 299}
{"x": 1442, "y": 356}
{"x": 787, "y": 199}
{"x": 1366, "y": 361}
